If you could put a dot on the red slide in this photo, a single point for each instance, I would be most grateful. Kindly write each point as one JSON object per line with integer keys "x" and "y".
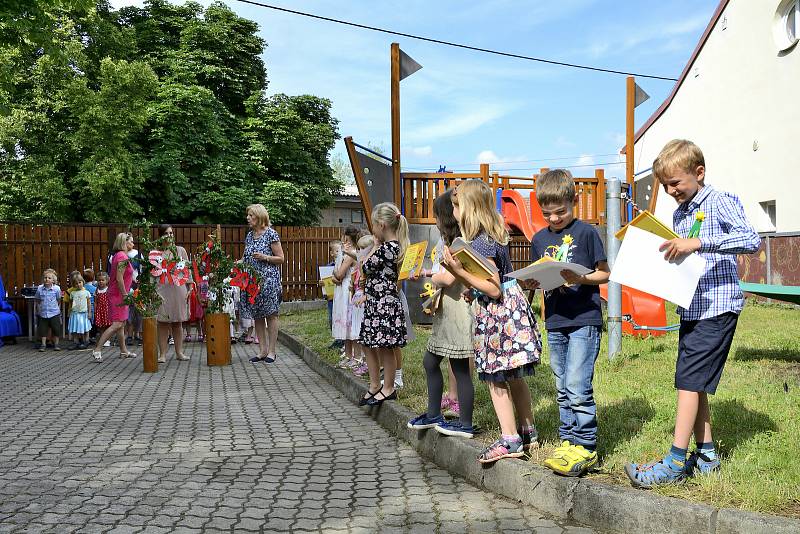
{"x": 521, "y": 215}
{"x": 644, "y": 309}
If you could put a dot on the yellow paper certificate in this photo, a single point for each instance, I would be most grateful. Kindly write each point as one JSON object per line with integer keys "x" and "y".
{"x": 412, "y": 261}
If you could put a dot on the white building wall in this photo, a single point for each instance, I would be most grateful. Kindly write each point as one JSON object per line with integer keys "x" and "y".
{"x": 740, "y": 91}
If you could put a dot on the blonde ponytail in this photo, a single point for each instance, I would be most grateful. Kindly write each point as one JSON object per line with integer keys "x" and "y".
{"x": 389, "y": 215}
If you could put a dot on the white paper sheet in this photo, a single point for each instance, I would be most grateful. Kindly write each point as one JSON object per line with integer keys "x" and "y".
{"x": 325, "y": 271}
{"x": 642, "y": 266}
{"x": 548, "y": 273}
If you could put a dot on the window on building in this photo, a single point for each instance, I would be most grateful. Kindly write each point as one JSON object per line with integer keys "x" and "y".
{"x": 357, "y": 216}
{"x": 769, "y": 217}
{"x": 786, "y": 25}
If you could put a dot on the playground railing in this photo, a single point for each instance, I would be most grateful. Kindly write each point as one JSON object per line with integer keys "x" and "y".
{"x": 420, "y": 189}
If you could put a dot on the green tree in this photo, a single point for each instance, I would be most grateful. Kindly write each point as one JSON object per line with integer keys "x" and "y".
{"x": 157, "y": 111}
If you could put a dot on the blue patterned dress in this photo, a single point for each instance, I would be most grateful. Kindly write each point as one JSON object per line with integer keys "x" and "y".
{"x": 268, "y": 300}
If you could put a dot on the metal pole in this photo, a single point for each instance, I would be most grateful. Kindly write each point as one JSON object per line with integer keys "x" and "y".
{"x": 613, "y": 198}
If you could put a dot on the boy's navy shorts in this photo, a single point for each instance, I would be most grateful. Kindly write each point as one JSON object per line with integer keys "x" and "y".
{"x": 702, "y": 351}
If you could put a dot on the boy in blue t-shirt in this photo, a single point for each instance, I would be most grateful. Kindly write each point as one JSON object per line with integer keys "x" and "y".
{"x": 573, "y": 320}
{"x": 715, "y": 226}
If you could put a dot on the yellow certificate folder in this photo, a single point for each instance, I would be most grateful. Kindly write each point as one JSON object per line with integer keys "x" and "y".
{"x": 412, "y": 260}
{"x": 649, "y": 223}
{"x": 326, "y": 280}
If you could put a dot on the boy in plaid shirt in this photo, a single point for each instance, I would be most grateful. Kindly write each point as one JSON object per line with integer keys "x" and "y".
{"x": 715, "y": 226}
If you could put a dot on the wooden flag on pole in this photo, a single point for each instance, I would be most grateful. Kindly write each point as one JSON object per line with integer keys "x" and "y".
{"x": 407, "y": 65}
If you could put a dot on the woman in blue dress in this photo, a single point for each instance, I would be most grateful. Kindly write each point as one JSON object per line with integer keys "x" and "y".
{"x": 263, "y": 252}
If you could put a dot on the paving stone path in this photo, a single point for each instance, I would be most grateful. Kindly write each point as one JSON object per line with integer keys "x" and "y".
{"x": 87, "y": 447}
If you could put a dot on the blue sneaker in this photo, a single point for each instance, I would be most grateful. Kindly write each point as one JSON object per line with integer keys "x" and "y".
{"x": 698, "y": 461}
{"x": 455, "y": 428}
{"x": 421, "y": 422}
{"x": 658, "y": 473}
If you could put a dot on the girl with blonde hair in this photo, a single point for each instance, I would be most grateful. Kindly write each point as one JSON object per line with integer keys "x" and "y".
{"x": 506, "y": 338}
{"x": 383, "y": 328}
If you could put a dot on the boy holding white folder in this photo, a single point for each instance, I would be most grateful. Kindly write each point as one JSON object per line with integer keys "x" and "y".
{"x": 573, "y": 319}
{"x": 715, "y": 226}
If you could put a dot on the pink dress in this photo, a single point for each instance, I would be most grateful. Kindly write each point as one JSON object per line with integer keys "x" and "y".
{"x": 117, "y": 311}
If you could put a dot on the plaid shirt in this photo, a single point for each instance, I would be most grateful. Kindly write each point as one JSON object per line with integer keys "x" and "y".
{"x": 724, "y": 233}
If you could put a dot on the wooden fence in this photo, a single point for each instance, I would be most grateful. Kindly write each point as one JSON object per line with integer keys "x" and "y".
{"x": 27, "y": 249}
{"x": 420, "y": 190}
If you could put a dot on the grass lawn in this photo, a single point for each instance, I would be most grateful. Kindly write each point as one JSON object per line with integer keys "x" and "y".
{"x": 755, "y": 413}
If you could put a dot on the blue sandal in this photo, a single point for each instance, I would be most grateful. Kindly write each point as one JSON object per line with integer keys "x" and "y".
{"x": 657, "y": 473}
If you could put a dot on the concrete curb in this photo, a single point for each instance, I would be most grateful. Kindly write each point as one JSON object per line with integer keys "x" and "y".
{"x": 595, "y": 504}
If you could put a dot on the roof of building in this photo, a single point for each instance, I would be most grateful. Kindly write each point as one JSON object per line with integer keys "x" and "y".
{"x": 664, "y": 105}
{"x": 349, "y": 190}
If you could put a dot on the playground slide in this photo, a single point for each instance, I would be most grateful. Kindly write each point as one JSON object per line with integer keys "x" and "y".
{"x": 644, "y": 309}
{"x": 525, "y": 217}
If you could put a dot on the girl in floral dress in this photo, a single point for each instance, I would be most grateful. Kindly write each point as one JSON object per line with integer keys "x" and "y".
{"x": 506, "y": 338}
{"x": 384, "y": 325}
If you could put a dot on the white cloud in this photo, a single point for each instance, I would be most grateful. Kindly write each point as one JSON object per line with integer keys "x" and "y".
{"x": 585, "y": 160}
{"x": 420, "y": 151}
{"x": 464, "y": 120}
{"x": 487, "y": 156}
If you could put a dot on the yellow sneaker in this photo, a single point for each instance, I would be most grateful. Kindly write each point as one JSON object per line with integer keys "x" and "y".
{"x": 561, "y": 449}
{"x": 571, "y": 460}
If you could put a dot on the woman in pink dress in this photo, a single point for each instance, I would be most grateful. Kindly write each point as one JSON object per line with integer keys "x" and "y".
{"x": 119, "y": 285}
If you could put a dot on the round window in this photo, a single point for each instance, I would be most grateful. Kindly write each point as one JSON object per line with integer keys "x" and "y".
{"x": 786, "y": 24}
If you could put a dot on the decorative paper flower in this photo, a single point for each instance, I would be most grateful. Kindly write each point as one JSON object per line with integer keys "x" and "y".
{"x": 700, "y": 216}
{"x": 156, "y": 259}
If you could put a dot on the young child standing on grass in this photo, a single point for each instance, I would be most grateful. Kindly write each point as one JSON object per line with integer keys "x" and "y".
{"x": 48, "y": 309}
{"x": 715, "y": 226}
{"x": 335, "y": 251}
{"x": 451, "y": 337}
{"x": 79, "y": 323}
{"x": 102, "y": 319}
{"x": 384, "y": 327}
{"x": 573, "y": 318}
{"x": 506, "y": 338}
{"x": 364, "y": 246}
{"x": 342, "y": 304}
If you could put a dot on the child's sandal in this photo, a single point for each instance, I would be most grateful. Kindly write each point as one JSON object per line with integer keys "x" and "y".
{"x": 501, "y": 449}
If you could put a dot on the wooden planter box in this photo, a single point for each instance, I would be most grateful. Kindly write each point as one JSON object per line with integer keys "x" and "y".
{"x": 149, "y": 344}
{"x": 218, "y": 338}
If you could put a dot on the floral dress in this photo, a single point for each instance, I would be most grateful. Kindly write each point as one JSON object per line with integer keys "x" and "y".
{"x": 384, "y": 323}
{"x": 268, "y": 300}
{"x": 506, "y": 338}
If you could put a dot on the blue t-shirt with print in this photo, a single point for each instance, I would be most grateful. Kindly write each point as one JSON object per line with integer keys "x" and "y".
{"x": 489, "y": 248}
{"x": 574, "y": 306}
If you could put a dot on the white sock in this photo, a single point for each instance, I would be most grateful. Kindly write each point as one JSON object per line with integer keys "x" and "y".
{"x": 398, "y": 376}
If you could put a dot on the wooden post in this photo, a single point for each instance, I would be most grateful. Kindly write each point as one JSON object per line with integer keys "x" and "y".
{"x": 361, "y": 182}
{"x": 600, "y": 195}
{"x": 630, "y": 103}
{"x": 485, "y": 173}
{"x": 395, "y": 101}
{"x": 149, "y": 343}
{"x": 653, "y": 195}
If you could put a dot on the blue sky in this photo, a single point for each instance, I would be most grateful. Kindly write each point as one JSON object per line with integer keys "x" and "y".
{"x": 465, "y": 107}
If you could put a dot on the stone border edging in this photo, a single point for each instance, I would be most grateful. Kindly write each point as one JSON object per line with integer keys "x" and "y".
{"x": 591, "y": 503}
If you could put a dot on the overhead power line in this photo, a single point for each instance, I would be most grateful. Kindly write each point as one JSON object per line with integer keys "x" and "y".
{"x": 457, "y": 45}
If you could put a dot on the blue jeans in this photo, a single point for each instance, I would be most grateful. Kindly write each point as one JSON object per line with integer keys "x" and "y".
{"x": 573, "y": 352}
